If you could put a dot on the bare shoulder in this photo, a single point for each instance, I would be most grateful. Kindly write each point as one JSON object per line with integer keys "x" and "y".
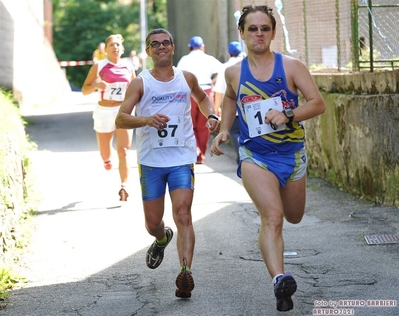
{"x": 137, "y": 81}
{"x": 190, "y": 78}
{"x": 233, "y": 70}
{"x": 188, "y": 75}
{"x": 289, "y": 62}
{"x": 235, "y": 67}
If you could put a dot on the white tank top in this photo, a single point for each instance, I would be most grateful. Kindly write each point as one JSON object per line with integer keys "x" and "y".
{"x": 175, "y": 145}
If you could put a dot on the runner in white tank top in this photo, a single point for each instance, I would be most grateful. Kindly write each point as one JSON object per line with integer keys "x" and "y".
{"x": 110, "y": 77}
{"x": 166, "y": 149}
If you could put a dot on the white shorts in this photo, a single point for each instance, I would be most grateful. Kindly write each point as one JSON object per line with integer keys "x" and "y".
{"x": 104, "y": 118}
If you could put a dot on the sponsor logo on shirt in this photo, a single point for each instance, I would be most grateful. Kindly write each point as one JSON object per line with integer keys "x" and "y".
{"x": 251, "y": 98}
{"x": 172, "y": 97}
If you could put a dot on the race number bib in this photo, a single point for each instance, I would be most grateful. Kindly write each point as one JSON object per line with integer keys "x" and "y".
{"x": 171, "y": 136}
{"x": 256, "y": 113}
{"x": 115, "y": 91}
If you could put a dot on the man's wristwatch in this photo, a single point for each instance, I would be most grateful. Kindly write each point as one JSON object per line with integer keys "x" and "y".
{"x": 213, "y": 116}
{"x": 289, "y": 114}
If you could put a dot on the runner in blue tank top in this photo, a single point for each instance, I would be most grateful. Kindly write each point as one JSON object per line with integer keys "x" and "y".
{"x": 263, "y": 89}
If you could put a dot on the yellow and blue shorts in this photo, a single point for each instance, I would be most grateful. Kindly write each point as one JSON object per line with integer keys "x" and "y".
{"x": 285, "y": 166}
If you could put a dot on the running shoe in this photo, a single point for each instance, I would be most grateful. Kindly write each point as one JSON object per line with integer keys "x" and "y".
{"x": 184, "y": 282}
{"x": 123, "y": 195}
{"x": 284, "y": 288}
{"x": 155, "y": 253}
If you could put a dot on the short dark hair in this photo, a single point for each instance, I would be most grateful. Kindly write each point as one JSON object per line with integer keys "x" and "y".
{"x": 158, "y": 31}
{"x": 254, "y": 8}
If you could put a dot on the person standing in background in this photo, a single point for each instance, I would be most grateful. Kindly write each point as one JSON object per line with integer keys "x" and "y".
{"x": 134, "y": 60}
{"x": 235, "y": 55}
{"x": 205, "y": 67}
{"x": 111, "y": 78}
{"x": 99, "y": 53}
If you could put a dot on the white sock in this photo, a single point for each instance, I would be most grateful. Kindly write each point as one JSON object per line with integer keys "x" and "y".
{"x": 275, "y": 278}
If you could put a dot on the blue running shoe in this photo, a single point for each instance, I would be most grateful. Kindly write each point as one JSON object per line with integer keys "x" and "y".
{"x": 284, "y": 288}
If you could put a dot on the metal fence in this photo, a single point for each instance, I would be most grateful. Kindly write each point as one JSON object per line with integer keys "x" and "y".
{"x": 376, "y": 22}
{"x": 320, "y": 32}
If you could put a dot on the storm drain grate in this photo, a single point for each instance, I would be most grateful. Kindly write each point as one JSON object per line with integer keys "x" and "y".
{"x": 381, "y": 239}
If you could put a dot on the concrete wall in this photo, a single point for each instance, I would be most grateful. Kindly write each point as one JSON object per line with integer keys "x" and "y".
{"x": 355, "y": 143}
{"x": 28, "y": 65}
{"x": 188, "y": 18}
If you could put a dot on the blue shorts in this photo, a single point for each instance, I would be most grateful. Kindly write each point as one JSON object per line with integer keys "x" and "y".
{"x": 286, "y": 167}
{"x": 153, "y": 180}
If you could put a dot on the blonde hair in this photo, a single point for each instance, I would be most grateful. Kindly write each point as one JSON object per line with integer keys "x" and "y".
{"x": 118, "y": 36}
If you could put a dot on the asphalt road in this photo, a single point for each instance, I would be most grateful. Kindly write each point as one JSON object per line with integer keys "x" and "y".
{"x": 87, "y": 254}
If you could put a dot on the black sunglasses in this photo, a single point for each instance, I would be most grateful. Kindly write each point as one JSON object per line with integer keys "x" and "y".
{"x": 263, "y": 28}
{"x": 156, "y": 44}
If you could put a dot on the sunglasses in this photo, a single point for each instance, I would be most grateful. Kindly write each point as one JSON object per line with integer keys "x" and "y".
{"x": 263, "y": 28}
{"x": 156, "y": 44}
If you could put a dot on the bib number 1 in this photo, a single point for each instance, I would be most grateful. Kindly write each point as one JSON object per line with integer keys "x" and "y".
{"x": 255, "y": 114}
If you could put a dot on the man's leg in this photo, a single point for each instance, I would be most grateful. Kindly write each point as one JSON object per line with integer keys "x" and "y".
{"x": 294, "y": 199}
{"x": 181, "y": 186}
{"x": 265, "y": 194}
{"x": 274, "y": 202}
{"x": 181, "y": 203}
{"x": 153, "y": 184}
{"x": 153, "y": 214}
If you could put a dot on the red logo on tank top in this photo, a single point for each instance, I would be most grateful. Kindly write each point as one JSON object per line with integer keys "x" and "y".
{"x": 251, "y": 98}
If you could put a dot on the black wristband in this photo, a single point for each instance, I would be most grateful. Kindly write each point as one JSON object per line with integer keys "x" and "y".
{"x": 213, "y": 116}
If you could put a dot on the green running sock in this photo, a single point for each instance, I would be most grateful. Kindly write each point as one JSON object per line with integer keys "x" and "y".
{"x": 184, "y": 268}
{"x": 163, "y": 241}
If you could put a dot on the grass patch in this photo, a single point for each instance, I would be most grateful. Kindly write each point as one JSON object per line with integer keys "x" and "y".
{"x": 8, "y": 281}
{"x": 18, "y": 200}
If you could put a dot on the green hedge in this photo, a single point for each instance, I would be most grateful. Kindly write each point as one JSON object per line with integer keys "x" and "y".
{"x": 16, "y": 189}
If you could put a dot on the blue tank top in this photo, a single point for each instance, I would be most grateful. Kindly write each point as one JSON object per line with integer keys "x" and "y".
{"x": 250, "y": 89}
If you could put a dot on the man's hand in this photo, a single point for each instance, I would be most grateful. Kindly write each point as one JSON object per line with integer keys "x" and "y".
{"x": 158, "y": 121}
{"x": 213, "y": 125}
{"x": 217, "y": 141}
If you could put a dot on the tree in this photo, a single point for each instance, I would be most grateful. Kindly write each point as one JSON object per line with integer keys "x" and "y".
{"x": 79, "y": 25}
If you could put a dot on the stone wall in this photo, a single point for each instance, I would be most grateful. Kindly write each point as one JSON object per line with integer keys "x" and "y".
{"x": 355, "y": 143}
{"x": 28, "y": 65}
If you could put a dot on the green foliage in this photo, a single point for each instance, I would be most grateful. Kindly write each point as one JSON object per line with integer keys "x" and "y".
{"x": 79, "y": 25}
{"x": 8, "y": 281}
{"x": 15, "y": 236}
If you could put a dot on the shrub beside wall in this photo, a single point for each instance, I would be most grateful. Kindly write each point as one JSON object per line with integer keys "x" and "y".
{"x": 14, "y": 186}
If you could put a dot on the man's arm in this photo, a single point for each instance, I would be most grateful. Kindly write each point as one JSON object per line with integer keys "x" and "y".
{"x": 125, "y": 119}
{"x": 204, "y": 102}
{"x": 229, "y": 101}
{"x": 218, "y": 103}
{"x": 299, "y": 78}
{"x": 228, "y": 112}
